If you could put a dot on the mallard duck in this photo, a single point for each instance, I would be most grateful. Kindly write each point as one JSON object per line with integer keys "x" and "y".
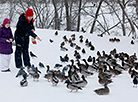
{"x": 83, "y": 51}
{"x": 73, "y": 39}
{"x": 54, "y": 80}
{"x": 117, "y": 40}
{"x": 36, "y": 75}
{"x": 135, "y": 81}
{"x": 89, "y": 59}
{"x": 80, "y": 83}
{"x": 80, "y": 65}
{"x": 90, "y": 67}
{"x": 103, "y": 75}
{"x": 41, "y": 65}
{"x": 63, "y": 59}
{"x": 102, "y": 91}
{"x": 111, "y": 40}
{"x": 81, "y": 40}
{"x": 81, "y": 36}
{"x": 103, "y": 81}
{"x": 114, "y": 71}
{"x": 126, "y": 66}
{"x": 72, "y": 86}
{"x": 21, "y": 72}
{"x": 56, "y": 33}
{"x": 48, "y": 69}
{"x": 48, "y": 76}
{"x": 24, "y": 81}
{"x": 85, "y": 72}
{"x": 73, "y": 76}
{"x": 73, "y": 35}
{"x": 77, "y": 47}
{"x": 61, "y": 76}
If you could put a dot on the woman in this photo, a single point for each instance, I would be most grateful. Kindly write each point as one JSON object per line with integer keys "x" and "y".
{"x": 25, "y": 28}
{"x": 6, "y": 39}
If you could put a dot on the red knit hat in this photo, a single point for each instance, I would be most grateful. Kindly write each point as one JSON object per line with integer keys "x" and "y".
{"x": 29, "y": 13}
{"x": 6, "y": 21}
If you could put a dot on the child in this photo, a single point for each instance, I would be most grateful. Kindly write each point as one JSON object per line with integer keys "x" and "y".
{"x": 6, "y": 39}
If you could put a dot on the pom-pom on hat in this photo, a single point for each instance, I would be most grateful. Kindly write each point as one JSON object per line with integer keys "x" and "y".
{"x": 6, "y": 21}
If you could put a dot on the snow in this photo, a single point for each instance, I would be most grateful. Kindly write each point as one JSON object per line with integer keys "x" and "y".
{"x": 121, "y": 89}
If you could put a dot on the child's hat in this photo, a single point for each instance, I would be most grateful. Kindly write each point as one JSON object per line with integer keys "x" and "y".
{"x": 6, "y": 21}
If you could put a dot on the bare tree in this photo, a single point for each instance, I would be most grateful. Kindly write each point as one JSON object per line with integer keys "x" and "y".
{"x": 79, "y": 15}
{"x": 96, "y": 15}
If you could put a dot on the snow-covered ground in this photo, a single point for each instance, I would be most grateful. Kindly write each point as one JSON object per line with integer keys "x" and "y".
{"x": 121, "y": 90}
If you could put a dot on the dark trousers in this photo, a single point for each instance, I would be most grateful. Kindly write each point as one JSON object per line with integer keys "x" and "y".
{"x": 21, "y": 52}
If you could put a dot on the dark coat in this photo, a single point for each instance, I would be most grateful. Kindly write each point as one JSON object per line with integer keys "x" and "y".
{"x": 23, "y": 29}
{"x": 22, "y": 33}
{"x": 5, "y": 47}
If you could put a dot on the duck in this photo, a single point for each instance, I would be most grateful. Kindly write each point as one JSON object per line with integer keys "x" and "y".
{"x": 73, "y": 39}
{"x": 89, "y": 59}
{"x": 117, "y": 40}
{"x": 102, "y": 91}
{"x": 92, "y": 47}
{"x": 63, "y": 48}
{"x": 126, "y": 66}
{"x": 77, "y": 47}
{"x": 90, "y": 67}
{"x": 48, "y": 69}
{"x": 81, "y": 40}
{"x": 81, "y": 36}
{"x": 82, "y": 66}
{"x": 61, "y": 76}
{"x": 81, "y": 83}
{"x": 57, "y": 65}
{"x": 73, "y": 35}
{"x": 135, "y": 81}
{"x": 56, "y": 33}
{"x": 54, "y": 79}
{"x": 24, "y": 82}
{"x": 111, "y": 40}
{"x": 66, "y": 57}
{"x": 36, "y": 75}
{"x": 48, "y": 76}
{"x": 114, "y": 71}
{"x": 72, "y": 86}
{"x": 63, "y": 59}
{"x": 41, "y": 65}
{"x": 103, "y": 81}
{"x": 83, "y": 51}
{"x": 73, "y": 75}
{"x": 32, "y": 55}
{"x": 85, "y": 72}
{"x": 62, "y": 44}
{"x": 104, "y": 75}
{"x": 21, "y": 72}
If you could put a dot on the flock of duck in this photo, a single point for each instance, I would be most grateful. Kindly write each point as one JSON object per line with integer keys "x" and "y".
{"x": 77, "y": 69}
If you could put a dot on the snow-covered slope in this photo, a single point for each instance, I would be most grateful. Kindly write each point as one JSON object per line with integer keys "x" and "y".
{"x": 121, "y": 90}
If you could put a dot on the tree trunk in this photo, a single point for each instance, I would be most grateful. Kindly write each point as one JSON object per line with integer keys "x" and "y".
{"x": 123, "y": 18}
{"x": 57, "y": 23}
{"x": 137, "y": 7}
{"x": 96, "y": 16}
{"x": 79, "y": 16}
{"x": 68, "y": 19}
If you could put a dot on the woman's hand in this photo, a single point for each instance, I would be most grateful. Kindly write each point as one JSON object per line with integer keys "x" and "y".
{"x": 38, "y": 38}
